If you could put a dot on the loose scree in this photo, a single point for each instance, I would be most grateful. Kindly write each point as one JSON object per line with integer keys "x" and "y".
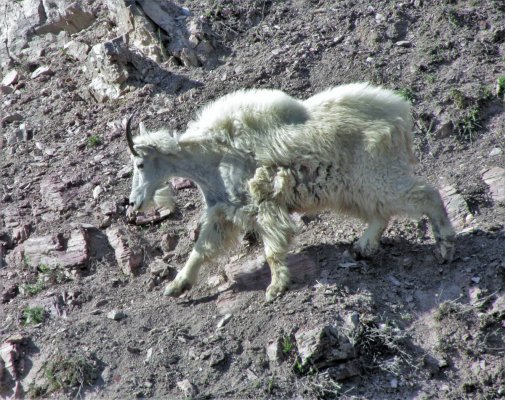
{"x": 258, "y": 155}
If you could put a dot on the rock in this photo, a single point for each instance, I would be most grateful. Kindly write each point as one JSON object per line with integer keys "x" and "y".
{"x": 456, "y": 206}
{"x": 52, "y": 190}
{"x": 495, "y": 152}
{"x": 42, "y": 71}
{"x": 344, "y": 370}
{"x": 128, "y": 258}
{"x": 274, "y": 351}
{"x": 152, "y": 217}
{"x": 475, "y": 279}
{"x": 444, "y": 129}
{"x": 21, "y": 233}
{"x": 380, "y": 18}
{"x": 495, "y": 179}
{"x": 9, "y": 293}
{"x": 62, "y": 16}
{"x": 11, "y": 78}
{"x": 169, "y": 242}
{"x": 187, "y": 388}
{"x": 159, "y": 268}
{"x": 14, "y": 117}
{"x": 4, "y": 90}
{"x": 77, "y": 50}
{"x": 107, "y": 68}
{"x": 181, "y": 183}
{"x": 55, "y": 251}
{"x": 116, "y": 315}
{"x": 223, "y": 321}
{"x": 404, "y": 43}
{"x": 97, "y": 191}
{"x": 323, "y": 346}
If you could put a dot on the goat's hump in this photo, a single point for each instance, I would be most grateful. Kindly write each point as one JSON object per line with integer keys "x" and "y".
{"x": 230, "y": 119}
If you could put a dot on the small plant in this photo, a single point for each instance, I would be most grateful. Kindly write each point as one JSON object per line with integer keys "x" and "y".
{"x": 31, "y": 289}
{"x": 500, "y": 87}
{"x": 458, "y": 98}
{"x": 94, "y": 141}
{"x": 407, "y": 94}
{"x": 66, "y": 373}
{"x": 287, "y": 345}
{"x": 33, "y": 315}
{"x": 468, "y": 126}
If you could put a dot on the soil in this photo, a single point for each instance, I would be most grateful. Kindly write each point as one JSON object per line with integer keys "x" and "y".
{"x": 421, "y": 329}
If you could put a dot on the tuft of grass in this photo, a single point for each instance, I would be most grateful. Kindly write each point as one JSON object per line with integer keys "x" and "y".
{"x": 468, "y": 126}
{"x": 65, "y": 373}
{"x": 500, "y": 87}
{"x": 287, "y": 345}
{"x": 458, "y": 98}
{"x": 94, "y": 141}
{"x": 31, "y": 289}
{"x": 33, "y": 315}
{"x": 407, "y": 94}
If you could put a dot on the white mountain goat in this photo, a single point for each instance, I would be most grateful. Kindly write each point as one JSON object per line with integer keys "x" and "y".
{"x": 258, "y": 155}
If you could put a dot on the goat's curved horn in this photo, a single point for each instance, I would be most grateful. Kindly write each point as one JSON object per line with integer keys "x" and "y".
{"x": 129, "y": 138}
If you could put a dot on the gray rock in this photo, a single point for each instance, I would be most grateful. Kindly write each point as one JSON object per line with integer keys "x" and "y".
{"x": 42, "y": 71}
{"x": 495, "y": 179}
{"x": 456, "y": 206}
{"x": 495, "y": 152}
{"x": 11, "y": 78}
{"x": 5, "y": 90}
{"x": 116, "y": 315}
{"x": 158, "y": 267}
{"x": 9, "y": 118}
{"x": 274, "y": 351}
{"x": 404, "y": 43}
{"x": 223, "y": 321}
{"x": 344, "y": 370}
{"x": 77, "y": 50}
{"x": 323, "y": 346}
{"x": 187, "y": 388}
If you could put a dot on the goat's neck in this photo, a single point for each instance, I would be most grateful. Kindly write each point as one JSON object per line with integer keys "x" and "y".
{"x": 200, "y": 166}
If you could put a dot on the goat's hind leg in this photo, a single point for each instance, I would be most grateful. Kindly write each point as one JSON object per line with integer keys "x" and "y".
{"x": 425, "y": 199}
{"x": 216, "y": 234}
{"x": 276, "y": 230}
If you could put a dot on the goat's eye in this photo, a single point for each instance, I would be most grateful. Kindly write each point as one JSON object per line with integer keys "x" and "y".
{"x": 140, "y": 165}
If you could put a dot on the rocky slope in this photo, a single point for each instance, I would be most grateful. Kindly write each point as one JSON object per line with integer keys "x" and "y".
{"x": 81, "y": 311}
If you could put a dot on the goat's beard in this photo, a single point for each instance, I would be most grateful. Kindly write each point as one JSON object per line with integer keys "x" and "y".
{"x": 164, "y": 198}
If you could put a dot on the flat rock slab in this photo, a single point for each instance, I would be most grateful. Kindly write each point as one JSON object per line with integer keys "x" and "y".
{"x": 55, "y": 251}
{"x": 255, "y": 274}
{"x": 456, "y": 206}
{"x": 495, "y": 179}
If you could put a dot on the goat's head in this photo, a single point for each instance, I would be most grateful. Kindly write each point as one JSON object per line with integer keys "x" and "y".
{"x": 149, "y": 184}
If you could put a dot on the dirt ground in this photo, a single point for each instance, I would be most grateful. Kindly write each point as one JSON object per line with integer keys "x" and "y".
{"x": 418, "y": 329}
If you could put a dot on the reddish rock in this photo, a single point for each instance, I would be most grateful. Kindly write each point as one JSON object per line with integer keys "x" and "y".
{"x": 21, "y": 233}
{"x": 151, "y": 218}
{"x": 181, "y": 183}
{"x": 51, "y": 190}
{"x": 128, "y": 256}
{"x": 55, "y": 251}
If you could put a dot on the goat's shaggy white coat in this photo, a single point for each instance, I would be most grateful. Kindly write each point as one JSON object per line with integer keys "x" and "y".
{"x": 258, "y": 155}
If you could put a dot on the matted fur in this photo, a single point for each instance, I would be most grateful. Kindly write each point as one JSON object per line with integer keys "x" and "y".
{"x": 258, "y": 155}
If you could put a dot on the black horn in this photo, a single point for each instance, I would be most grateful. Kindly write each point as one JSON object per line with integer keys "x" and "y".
{"x": 129, "y": 138}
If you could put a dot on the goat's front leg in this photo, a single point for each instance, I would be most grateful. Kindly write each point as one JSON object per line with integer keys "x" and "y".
{"x": 216, "y": 234}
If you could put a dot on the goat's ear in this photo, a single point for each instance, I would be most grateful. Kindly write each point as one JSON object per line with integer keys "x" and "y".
{"x": 144, "y": 150}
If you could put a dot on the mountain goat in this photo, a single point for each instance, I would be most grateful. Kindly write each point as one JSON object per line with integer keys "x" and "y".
{"x": 258, "y": 155}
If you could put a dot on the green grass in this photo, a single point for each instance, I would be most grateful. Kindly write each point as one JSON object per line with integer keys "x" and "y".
{"x": 287, "y": 345}
{"x": 458, "y": 98}
{"x": 33, "y": 315}
{"x": 468, "y": 126}
{"x": 406, "y": 94}
{"x": 31, "y": 289}
{"x": 500, "y": 86}
{"x": 65, "y": 373}
{"x": 94, "y": 141}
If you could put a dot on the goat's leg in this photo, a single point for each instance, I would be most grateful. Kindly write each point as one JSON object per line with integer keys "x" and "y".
{"x": 425, "y": 199}
{"x": 368, "y": 243}
{"x": 276, "y": 230}
{"x": 216, "y": 235}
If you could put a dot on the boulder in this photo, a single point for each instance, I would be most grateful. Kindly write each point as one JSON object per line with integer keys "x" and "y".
{"x": 495, "y": 179}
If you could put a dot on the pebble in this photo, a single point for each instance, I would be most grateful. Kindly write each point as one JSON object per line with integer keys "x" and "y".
{"x": 404, "y": 43}
{"x": 476, "y": 279}
{"x": 97, "y": 191}
{"x": 394, "y": 383}
{"x": 116, "y": 315}
{"x": 11, "y": 78}
{"x": 495, "y": 152}
{"x": 42, "y": 71}
{"x": 223, "y": 321}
